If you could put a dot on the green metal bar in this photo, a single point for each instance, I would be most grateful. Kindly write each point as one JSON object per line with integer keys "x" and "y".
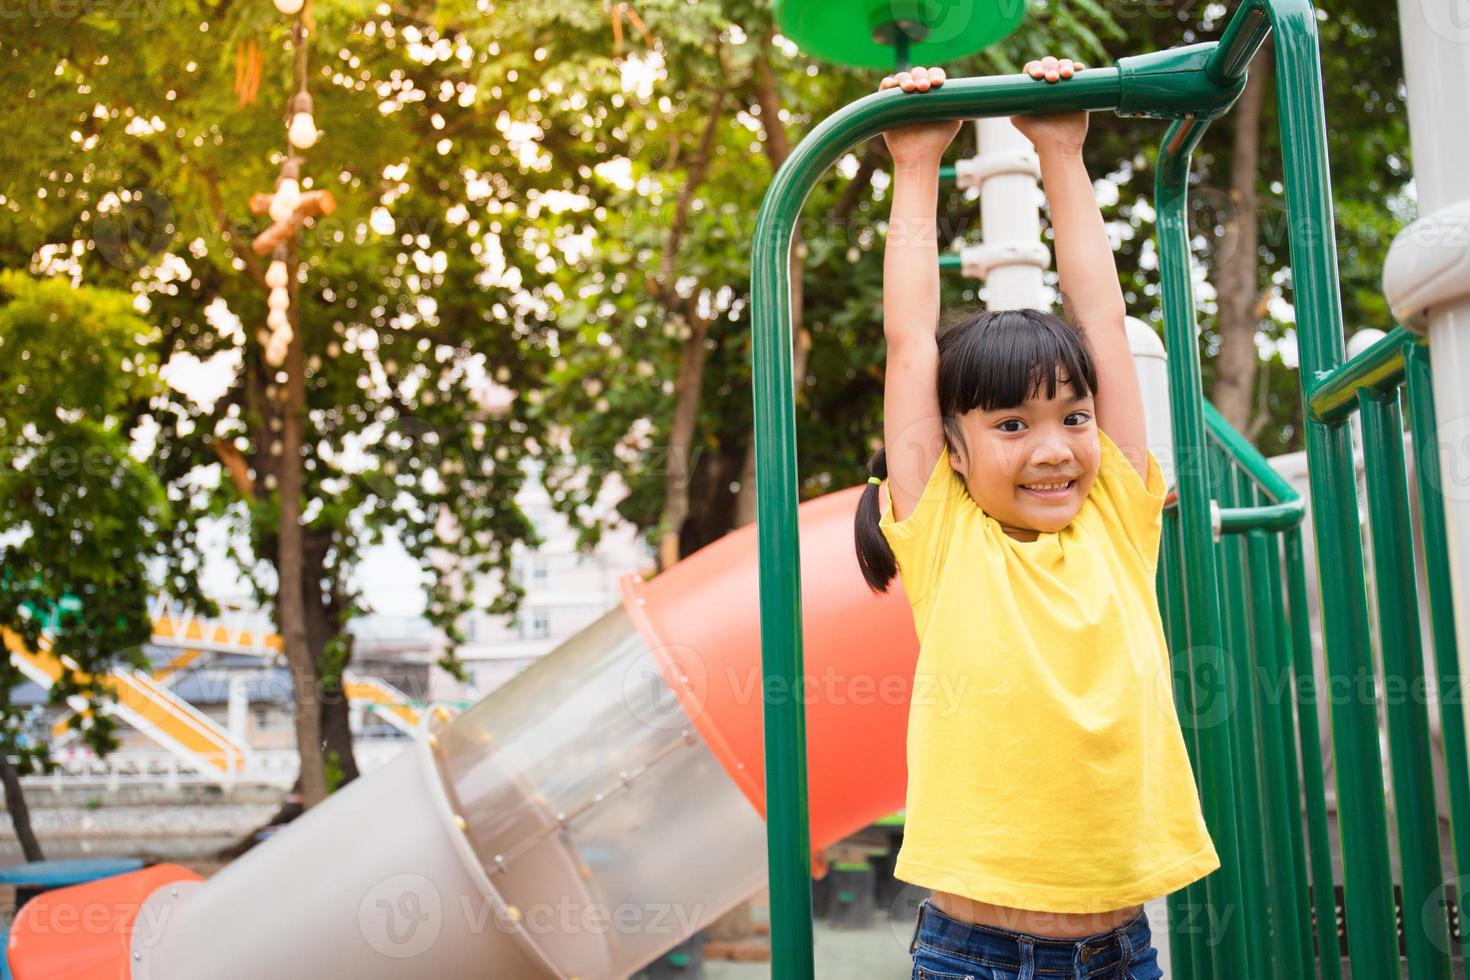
{"x": 1187, "y": 947}
{"x": 1427, "y": 940}
{"x": 950, "y": 261}
{"x": 1441, "y": 603}
{"x": 1283, "y": 703}
{"x": 1379, "y": 369}
{"x": 947, "y": 174}
{"x": 1253, "y": 815}
{"x": 1240, "y": 40}
{"x": 1249, "y": 458}
{"x": 1204, "y": 656}
{"x": 1362, "y": 822}
{"x": 1264, "y": 517}
{"x": 1279, "y": 808}
{"x": 1303, "y": 668}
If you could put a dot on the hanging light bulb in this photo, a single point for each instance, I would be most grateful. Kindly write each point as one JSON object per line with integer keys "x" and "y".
{"x": 283, "y": 204}
{"x": 302, "y": 131}
{"x": 279, "y": 299}
{"x": 288, "y": 193}
{"x": 275, "y": 352}
{"x": 276, "y": 319}
{"x": 276, "y": 276}
{"x": 289, "y": 7}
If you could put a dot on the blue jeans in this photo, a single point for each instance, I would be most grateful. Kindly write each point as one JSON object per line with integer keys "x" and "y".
{"x": 944, "y": 948}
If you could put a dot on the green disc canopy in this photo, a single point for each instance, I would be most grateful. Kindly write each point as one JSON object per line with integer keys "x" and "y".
{"x": 885, "y": 33}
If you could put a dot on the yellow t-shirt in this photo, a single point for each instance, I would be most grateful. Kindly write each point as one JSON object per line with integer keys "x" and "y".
{"x": 1046, "y": 766}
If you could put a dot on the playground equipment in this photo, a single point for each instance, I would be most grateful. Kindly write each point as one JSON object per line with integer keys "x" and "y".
{"x": 508, "y": 840}
{"x": 147, "y": 706}
{"x": 583, "y": 819}
{"x": 1226, "y": 614}
{"x": 143, "y": 699}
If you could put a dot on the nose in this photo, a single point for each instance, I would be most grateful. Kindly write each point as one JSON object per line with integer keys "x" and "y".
{"x": 1051, "y": 451}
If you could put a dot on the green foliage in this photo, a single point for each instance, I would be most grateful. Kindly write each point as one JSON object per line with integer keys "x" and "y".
{"x": 83, "y": 521}
{"x": 335, "y": 774}
{"x": 150, "y": 161}
{"x": 1368, "y": 143}
{"x": 507, "y": 181}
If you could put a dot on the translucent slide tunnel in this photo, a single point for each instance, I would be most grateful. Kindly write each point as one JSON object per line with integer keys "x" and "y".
{"x": 580, "y": 821}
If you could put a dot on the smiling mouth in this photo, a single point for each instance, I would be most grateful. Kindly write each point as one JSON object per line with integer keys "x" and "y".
{"x": 1049, "y": 491}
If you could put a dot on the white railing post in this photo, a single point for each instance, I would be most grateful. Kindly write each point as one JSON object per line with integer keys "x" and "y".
{"x": 1427, "y": 274}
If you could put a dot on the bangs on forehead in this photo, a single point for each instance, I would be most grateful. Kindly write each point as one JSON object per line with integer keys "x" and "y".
{"x": 999, "y": 359}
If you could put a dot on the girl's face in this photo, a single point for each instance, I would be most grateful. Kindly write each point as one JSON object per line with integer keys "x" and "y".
{"x": 1031, "y": 466}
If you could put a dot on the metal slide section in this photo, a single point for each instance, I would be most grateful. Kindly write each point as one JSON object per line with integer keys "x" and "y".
{"x": 193, "y": 638}
{"x": 147, "y": 706}
{"x": 384, "y": 700}
{"x": 176, "y": 627}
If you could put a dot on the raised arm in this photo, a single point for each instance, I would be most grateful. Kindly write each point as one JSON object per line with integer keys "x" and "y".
{"x": 1092, "y": 296}
{"x": 912, "y": 433}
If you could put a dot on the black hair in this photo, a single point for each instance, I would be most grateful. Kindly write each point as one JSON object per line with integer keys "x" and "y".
{"x": 988, "y": 359}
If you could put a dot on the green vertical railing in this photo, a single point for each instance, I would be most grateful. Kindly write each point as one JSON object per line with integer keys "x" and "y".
{"x": 1232, "y": 574}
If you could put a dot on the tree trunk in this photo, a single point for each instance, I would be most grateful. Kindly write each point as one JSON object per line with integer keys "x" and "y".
{"x": 1237, "y": 283}
{"x": 20, "y": 814}
{"x": 290, "y": 556}
{"x": 681, "y": 442}
{"x": 691, "y": 366}
{"x": 778, "y": 147}
{"x": 323, "y": 625}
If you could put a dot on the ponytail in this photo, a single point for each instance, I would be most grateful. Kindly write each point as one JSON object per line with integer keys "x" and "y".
{"x": 875, "y": 557}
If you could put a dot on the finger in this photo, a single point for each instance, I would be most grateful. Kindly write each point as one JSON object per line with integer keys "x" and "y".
{"x": 906, "y": 81}
{"x": 1033, "y": 68}
{"x": 888, "y": 82}
{"x": 921, "y": 78}
{"x": 1065, "y": 68}
{"x": 937, "y": 76}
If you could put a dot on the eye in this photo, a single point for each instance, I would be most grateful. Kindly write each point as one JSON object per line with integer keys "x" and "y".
{"x": 1082, "y": 418}
{"x": 1017, "y": 423}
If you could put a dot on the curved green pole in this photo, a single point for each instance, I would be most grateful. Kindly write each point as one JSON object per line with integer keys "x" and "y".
{"x": 1441, "y": 606}
{"x": 1203, "y": 656}
{"x": 1319, "y": 852}
{"x": 1426, "y": 933}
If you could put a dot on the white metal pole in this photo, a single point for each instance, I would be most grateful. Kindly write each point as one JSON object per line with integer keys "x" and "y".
{"x": 1012, "y": 255}
{"x": 1427, "y": 275}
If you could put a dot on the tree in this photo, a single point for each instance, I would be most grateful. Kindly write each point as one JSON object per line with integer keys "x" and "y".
{"x": 419, "y": 363}
{"x": 684, "y": 162}
{"x": 1238, "y": 215}
{"x": 81, "y": 519}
